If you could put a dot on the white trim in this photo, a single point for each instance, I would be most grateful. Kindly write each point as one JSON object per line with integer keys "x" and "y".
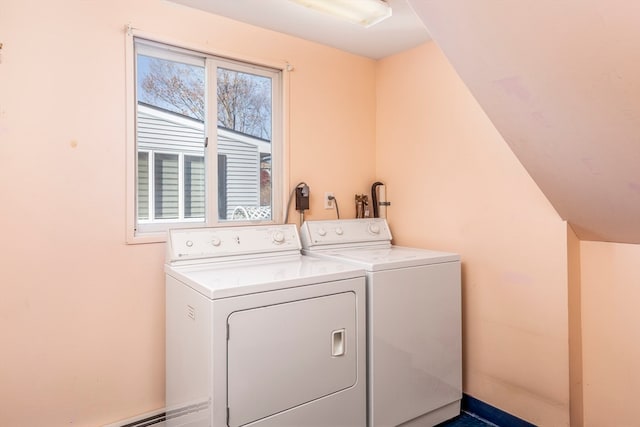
{"x": 211, "y": 152}
{"x": 285, "y": 157}
{"x": 278, "y": 64}
{"x": 169, "y": 52}
{"x": 278, "y": 150}
{"x": 130, "y": 138}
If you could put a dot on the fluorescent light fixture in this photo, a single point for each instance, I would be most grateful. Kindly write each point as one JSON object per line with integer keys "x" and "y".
{"x": 363, "y": 12}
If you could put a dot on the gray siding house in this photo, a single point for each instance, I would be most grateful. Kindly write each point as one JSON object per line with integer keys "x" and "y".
{"x": 169, "y": 142}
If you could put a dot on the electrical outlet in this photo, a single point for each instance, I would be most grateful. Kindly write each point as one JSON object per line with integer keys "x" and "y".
{"x": 328, "y": 203}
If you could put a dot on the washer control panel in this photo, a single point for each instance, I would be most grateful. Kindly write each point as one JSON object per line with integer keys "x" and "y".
{"x": 214, "y": 242}
{"x": 332, "y": 232}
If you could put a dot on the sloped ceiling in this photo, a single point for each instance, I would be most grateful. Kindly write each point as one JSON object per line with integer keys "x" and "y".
{"x": 560, "y": 80}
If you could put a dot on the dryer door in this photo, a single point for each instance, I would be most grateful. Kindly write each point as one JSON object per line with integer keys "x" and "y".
{"x": 285, "y": 355}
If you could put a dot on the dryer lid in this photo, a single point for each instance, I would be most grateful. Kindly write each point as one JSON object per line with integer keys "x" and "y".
{"x": 228, "y": 279}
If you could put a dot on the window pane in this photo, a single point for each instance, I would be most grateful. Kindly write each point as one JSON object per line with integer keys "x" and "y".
{"x": 172, "y": 86}
{"x": 244, "y": 137}
{"x": 170, "y": 93}
{"x": 165, "y": 172}
{"x": 194, "y": 187}
{"x": 143, "y": 185}
{"x": 177, "y": 177}
{"x": 265, "y": 179}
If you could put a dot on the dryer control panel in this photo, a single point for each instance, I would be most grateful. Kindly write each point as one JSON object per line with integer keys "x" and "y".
{"x": 216, "y": 242}
{"x": 345, "y": 232}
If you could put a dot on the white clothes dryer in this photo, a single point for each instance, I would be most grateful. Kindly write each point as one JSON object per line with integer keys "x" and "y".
{"x": 414, "y": 347}
{"x": 259, "y": 335}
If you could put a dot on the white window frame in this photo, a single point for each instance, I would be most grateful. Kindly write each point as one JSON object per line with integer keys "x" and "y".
{"x": 279, "y": 157}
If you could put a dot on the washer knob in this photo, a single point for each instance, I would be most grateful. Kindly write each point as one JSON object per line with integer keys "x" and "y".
{"x": 322, "y": 232}
{"x": 189, "y": 243}
{"x": 215, "y": 241}
{"x": 339, "y": 231}
{"x": 278, "y": 237}
{"x": 374, "y": 228}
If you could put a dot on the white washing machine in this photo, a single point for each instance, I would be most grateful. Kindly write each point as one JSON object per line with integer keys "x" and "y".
{"x": 259, "y": 335}
{"x": 413, "y": 320}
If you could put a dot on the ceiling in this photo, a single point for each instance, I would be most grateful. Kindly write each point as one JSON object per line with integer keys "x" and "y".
{"x": 566, "y": 99}
{"x": 402, "y": 31}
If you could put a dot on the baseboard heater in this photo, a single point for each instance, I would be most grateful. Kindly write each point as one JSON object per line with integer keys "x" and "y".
{"x": 148, "y": 421}
{"x": 158, "y": 418}
{"x": 153, "y": 418}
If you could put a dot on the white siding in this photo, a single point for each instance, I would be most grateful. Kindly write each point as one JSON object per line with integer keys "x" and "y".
{"x": 162, "y": 131}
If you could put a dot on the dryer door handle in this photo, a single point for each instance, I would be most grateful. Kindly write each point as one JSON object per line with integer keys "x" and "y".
{"x": 338, "y": 343}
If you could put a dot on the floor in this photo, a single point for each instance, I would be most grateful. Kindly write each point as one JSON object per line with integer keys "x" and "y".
{"x": 463, "y": 420}
{"x": 466, "y": 420}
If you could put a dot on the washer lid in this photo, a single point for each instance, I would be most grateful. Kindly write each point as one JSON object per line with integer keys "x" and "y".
{"x": 228, "y": 279}
{"x": 387, "y": 258}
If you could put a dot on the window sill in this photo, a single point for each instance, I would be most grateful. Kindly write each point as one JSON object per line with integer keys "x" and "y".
{"x": 143, "y": 238}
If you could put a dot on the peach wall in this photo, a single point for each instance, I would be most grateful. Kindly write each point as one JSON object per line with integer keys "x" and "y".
{"x": 611, "y": 338}
{"x": 455, "y": 185}
{"x": 575, "y": 330}
{"x": 82, "y": 313}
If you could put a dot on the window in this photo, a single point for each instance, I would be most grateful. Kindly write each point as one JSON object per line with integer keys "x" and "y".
{"x": 208, "y": 144}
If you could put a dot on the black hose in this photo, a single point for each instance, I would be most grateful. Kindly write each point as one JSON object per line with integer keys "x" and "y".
{"x": 374, "y": 198}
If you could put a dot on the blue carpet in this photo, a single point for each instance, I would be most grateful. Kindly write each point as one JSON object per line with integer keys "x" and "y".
{"x": 465, "y": 420}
